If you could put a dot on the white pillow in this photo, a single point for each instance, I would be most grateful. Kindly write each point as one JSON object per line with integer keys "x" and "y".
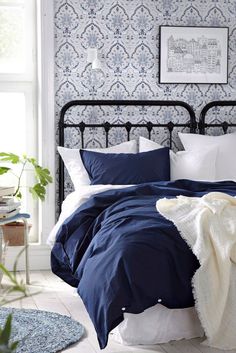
{"x": 195, "y": 165}
{"x": 73, "y": 162}
{"x": 226, "y": 157}
{"x": 146, "y": 145}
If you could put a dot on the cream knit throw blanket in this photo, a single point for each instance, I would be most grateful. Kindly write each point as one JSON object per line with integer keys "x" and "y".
{"x": 208, "y": 225}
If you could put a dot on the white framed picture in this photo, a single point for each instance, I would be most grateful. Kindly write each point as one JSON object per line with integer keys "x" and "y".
{"x": 193, "y": 54}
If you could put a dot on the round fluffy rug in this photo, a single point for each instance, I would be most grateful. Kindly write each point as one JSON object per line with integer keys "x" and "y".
{"x": 139, "y": 350}
{"x": 41, "y": 331}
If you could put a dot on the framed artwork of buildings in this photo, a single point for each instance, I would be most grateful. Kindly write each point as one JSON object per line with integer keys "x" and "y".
{"x": 193, "y": 54}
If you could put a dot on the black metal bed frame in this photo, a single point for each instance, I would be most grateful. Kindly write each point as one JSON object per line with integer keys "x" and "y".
{"x": 202, "y": 125}
{"x": 191, "y": 124}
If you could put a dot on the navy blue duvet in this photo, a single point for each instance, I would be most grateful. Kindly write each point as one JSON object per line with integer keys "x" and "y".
{"x": 122, "y": 255}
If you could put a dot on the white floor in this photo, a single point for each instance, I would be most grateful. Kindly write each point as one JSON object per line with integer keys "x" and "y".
{"x": 57, "y": 296}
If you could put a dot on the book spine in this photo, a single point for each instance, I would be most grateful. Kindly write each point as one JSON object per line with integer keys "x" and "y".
{"x": 9, "y": 214}
{"x": 7, "y": 201}
{"x": 7, "y": 191}
{"x": 6, "y": 209}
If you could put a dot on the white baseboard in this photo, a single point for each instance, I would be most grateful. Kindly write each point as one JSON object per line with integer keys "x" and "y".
{"x": 39, "y": 257}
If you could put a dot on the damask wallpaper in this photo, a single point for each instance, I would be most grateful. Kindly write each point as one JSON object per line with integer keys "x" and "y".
{"x": 126, "y": 33}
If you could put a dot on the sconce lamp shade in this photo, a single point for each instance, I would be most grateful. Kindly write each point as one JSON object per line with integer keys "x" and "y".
{"x": 96, "y": 64}
{"x": 92, "y": 54}
{"x": 92, "y": 58}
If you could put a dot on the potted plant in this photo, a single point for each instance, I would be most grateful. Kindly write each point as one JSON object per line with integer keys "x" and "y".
{"x": 38, "y": 190}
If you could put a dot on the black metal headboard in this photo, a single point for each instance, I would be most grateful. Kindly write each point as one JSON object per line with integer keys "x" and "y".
{"x": 191, "y": 124}
{"x": 202, "y": 125}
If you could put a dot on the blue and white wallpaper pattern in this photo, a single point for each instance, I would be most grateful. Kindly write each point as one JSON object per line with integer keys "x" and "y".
{"x": 126, "y": 34}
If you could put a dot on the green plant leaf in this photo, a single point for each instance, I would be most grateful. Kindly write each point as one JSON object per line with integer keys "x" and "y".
{"x": 6, "y": 332}
{"x": 13, "y": 346}
{"x": 9, "y": 157}
{"x": 43, "y": 175}
{"x": 19, "y": 195}
{"x": 5, "y": 349}
{"x": 8, "y": 348}
{"x": 17, "y": 286}
{"x": 38, "y": 190}
{"x": 6, "y": 272}
{"x": 32, "y": 161}
{"x": 4, "y": 170}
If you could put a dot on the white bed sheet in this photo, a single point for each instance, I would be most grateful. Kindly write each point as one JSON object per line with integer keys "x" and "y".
{"x": 156, "y": 324}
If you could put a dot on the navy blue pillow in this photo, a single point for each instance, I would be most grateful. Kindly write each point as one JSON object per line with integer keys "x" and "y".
{"x": 121, "y": 168}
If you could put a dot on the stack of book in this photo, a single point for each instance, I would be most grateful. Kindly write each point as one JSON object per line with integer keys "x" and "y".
{"x": 8, "y": 206}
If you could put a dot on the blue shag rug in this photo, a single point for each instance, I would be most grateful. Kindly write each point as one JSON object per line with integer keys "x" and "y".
{"x": 41, "y": 331}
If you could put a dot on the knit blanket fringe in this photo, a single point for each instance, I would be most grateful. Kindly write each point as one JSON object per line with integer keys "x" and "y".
{"x": 208, "y": 225}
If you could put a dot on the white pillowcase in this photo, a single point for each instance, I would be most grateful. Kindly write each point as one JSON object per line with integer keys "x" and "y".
{"x": 73, "y": 162}
{"x": 226, "y": 157}
{"x": 194, "y": 165}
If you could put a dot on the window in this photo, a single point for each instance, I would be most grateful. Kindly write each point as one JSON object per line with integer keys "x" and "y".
{"x": 18, "y": 108}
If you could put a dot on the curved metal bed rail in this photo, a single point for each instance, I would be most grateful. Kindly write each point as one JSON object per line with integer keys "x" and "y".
{"x": 202, "y": 125}
{"x": 192, "y": 124}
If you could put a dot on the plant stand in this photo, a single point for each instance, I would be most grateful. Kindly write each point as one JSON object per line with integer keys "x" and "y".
{"x": 23, "y": 217}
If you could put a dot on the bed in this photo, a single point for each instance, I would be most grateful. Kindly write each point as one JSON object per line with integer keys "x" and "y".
{"x": 110, "y": 227}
